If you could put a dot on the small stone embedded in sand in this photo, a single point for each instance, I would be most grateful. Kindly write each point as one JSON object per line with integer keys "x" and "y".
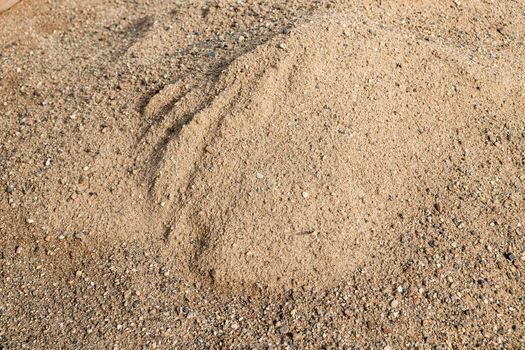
{"x": 9, "y": 189}
{"x": 283, "y": 329}
{"x": 259, "y": 175}
{"x": 79, "y": 235}
{"x": 305, "y": 194}
{"x": 19, "y": 250}
{"x": 394, "y": 303}
{"x": 510, "y": 256}
{"x": 30, "y": 221}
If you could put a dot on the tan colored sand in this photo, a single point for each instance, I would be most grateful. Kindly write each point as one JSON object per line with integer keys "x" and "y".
{"x": 370, "y": 156}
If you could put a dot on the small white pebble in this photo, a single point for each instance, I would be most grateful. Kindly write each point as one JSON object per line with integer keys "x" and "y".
{"x": 400, "y": 289}
{"x": 306, "y": 195}
{"x": 394, "y": 303}
{"x": 30, "y": 221}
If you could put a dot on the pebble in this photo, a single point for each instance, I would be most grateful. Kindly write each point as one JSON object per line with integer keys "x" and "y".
{"x": 79, "y": 235}
{"x": 400, "y": 289}
{"x": 283, "y": 46}
{"x": 259, "y": 175}
{"x": 283, "y": 329}
{"x": 212, "y": 54}
{"x": 19, "y": 250}
{"x": 30, "y": 221}
{"x": 394, "y": 303}
{"x": 306, "y": 195}
{"x": 9, "y": 189}
{"x": 286, "y": 30}
{"x": 128, "y": 294}
{"x": 510, "y": 256}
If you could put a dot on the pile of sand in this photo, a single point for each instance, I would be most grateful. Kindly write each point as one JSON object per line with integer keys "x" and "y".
{"x": 290, "y": 167}
{"x": 262, "y": 174}
{"x": 287, "y": 165}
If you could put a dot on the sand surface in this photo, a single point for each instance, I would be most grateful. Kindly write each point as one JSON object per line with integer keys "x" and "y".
{"x": 262, "y": 175}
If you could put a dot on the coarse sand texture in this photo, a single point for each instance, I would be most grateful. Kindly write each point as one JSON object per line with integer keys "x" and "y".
{"x": 245, "y": 174}
{"x": 290, "y": 165}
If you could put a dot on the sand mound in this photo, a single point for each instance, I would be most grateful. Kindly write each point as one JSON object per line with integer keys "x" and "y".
{"x": 290, "y": 167}
{"x": 288, "y": 164}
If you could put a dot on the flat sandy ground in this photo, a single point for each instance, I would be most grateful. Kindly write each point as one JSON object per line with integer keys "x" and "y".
{"x": 262, "y": 175}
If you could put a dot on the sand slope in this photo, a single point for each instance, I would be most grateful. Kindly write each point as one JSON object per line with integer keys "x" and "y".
{"x": 289, "y": 166}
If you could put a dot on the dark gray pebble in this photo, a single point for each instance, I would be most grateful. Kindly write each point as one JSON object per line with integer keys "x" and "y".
{"x": 510, "y": 256}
